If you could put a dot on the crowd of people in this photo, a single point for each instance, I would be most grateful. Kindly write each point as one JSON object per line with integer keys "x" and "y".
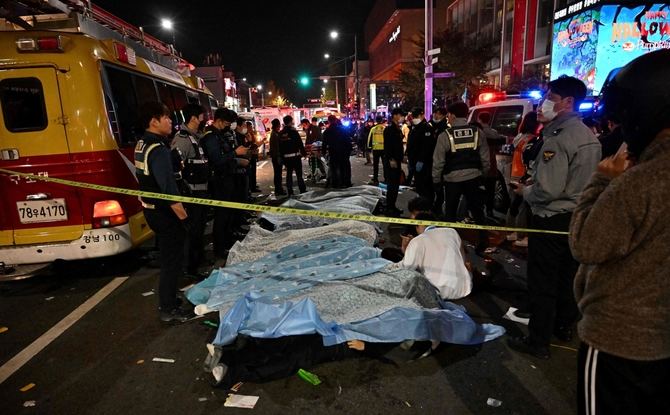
{"x": 605, "y": 197}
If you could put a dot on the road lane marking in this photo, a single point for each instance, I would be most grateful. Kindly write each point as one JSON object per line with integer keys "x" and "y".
{"x": 23, "y": 357}
{"x": 261, "y": 165}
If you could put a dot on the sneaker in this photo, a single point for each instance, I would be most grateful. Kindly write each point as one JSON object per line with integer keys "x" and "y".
{"x": 522, "y": 313}
{"x": 524, "y": 345}
{"x": 521, "y": 243}
{"x": 512, "y": 236}
{"x": 177, "y": 315}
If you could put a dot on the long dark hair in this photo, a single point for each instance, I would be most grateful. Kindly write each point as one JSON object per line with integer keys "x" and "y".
{"x": 529, "y": 124}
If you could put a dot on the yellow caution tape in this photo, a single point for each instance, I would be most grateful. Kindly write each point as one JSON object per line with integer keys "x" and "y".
{"x": 275, "y": 209}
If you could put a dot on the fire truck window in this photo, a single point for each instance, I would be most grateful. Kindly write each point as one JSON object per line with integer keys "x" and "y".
{"x": 23, "y": 107}
{"x": 124, "y": 107}
{"x": 145, "y": 90}
{"x": 506, "y": 119}
{"x": 179, "y": 98}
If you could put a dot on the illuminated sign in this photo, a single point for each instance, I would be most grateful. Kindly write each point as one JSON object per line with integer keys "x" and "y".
{"x": 574, "y": 8}
{"x": 373, "y": 97}
{"x": 394, "y": 35}
{"x": 592, "y": 43}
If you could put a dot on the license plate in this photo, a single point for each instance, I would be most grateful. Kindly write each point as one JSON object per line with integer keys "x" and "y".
{"x": 35, "y": 211}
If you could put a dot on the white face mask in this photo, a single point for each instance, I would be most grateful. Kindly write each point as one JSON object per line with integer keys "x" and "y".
{"x": 245, "y": 131}
{"x": 233, "y": 126}
{"x": 416, "y": 121}
{"x": 437, "y": 120}
{"x": 547, "y": 110}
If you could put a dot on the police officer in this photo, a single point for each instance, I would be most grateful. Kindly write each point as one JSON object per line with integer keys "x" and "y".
{"x": 376, "y": 143}
{"x": 242, "y": 180}
{"x": 570, "y": 154}
{"x": 195, "y": 175}
{"x": 439, "y": 123}
{"x": 423, "y": 140}
{"x": 460, "y": 160}
{"x": 292, "y": 151}
{"x": 155, "y": 173}
{"x": 225, "y": 160}
{"x": 393, "y": 156}
{"x": 275, "y": 156}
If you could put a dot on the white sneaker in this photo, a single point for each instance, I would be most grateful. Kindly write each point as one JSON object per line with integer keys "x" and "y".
{"x": 512, "y": 236}
{"x": 522, "y": 243}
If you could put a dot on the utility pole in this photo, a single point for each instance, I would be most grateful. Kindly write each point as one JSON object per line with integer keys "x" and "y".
{"x": 250, "y": 104}
{"x": 357, "y": 81}
{"x": 428, "y": 60}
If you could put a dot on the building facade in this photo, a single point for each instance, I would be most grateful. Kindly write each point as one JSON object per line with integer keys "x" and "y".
{"x": 394, "y": 39}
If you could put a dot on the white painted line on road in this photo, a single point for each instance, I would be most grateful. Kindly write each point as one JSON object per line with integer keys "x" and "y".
{"x": 53, "y": 333}
{"x": 261, "y": 165}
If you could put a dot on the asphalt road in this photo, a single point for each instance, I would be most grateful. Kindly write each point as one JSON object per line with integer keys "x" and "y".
{"x": 102, "y": 363}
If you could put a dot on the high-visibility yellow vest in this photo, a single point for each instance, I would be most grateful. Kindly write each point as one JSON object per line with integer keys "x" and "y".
{"x": 376, "y": 137}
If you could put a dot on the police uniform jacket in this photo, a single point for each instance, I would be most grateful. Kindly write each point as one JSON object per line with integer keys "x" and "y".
{"x": 376, "y": 137}
{"x": 290, "y": 143}
{"x": 220, "y": 152}
{"x": 570, "y": 154}
{"x": 420, "y": 138}
{"x": 393, "y": 148}
{"x": 459, "y": 165}
{"x": 155, "y": 171}
{"x": 196, "y": 170}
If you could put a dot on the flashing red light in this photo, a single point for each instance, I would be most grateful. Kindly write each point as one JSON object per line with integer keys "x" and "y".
{"x": 108, "y": 213}
{"x": 43, "y": 44}
{"x": 487, "y": 97}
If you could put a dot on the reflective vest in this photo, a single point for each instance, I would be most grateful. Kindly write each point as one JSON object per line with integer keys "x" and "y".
{"x": 376, "y": 137}
{"x": 196, "y": 169}
{"x": 145, "y": 177}
{"x": 464, "y": 149}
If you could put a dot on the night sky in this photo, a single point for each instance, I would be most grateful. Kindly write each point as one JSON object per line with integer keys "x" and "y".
{"x": 260, "y": 40}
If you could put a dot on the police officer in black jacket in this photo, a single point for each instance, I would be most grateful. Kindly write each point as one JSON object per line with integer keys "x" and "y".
{"x": 439, "y": 123}
{"x": 423, "y": 141}
{"x": 393, "y": 155}
{"x": 195, "y": 176}
{"x": 292, "y": 151}
{"x": 155, "y": 173}
{"x": 225, "y": 160}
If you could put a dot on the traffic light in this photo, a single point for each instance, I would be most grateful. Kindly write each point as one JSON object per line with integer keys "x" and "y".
{"x": 304, "y": 81}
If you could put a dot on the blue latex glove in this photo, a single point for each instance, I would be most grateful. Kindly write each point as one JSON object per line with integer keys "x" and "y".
{"x": 419, "y": 166}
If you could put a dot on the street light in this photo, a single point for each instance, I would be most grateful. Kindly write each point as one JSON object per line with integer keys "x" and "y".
{"x": 168, "y": 25}
{"x": 357, "y": 95}
{"x": 326, "y": 56}
{"x": 259, "y": 87}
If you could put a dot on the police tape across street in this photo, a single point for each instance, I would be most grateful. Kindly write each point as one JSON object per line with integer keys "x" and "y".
{"x": 274, "y": 209}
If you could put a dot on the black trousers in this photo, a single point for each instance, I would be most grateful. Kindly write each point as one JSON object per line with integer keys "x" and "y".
{"x": 411, "y": 170}
{"x": 294, "y": 164}
{"x": 223, "y": 189}
{"x": 342, "y": 171}
{"x": 376, "y": 156}
{"x": 424, "y": 182}
{"x": 276, "y": 169}
{"x": 195, "y": 246}
{"x": 170, "y": 235}
{"x": 613, "y": 385}
{"x": 392, "y": 186}
{"x": 251, "y": 171}
{"x": 551, "y": 274}
{"x": 472, "y": 190}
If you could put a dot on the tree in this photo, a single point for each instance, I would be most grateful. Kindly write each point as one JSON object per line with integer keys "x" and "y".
{"x": 459, "y": 55}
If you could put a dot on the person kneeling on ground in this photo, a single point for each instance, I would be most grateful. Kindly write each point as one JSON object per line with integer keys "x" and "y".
{"x": 438, "y": 254}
